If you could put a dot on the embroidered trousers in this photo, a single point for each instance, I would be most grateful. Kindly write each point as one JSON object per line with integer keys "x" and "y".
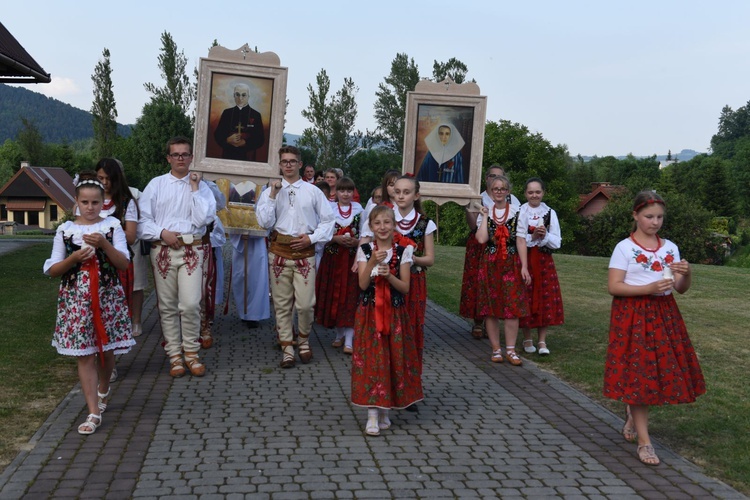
{"x": 292, "y": 285}
{"x": 178, "y": 278}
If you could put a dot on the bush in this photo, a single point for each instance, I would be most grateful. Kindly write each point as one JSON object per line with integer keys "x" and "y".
{"x": 686, "y": 224}
{"x": 451, "y": 220}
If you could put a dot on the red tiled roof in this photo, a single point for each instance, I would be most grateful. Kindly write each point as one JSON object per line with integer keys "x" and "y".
{"x": 604, "y": 189}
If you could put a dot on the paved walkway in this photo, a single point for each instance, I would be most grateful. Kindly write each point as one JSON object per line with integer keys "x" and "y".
{"x": 249, "y": 429}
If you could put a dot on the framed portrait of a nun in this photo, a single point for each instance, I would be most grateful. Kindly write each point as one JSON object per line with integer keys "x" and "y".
{"x": 239, "y": 118}
{"x": 444, "y": 140}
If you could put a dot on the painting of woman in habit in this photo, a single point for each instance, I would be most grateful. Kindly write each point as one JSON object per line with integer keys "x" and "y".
{"x": 443, "y": 161}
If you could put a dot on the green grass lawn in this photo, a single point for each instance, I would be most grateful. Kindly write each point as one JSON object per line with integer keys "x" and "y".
{"x": 33, "y": 377}
{"x": 714, "y": 432}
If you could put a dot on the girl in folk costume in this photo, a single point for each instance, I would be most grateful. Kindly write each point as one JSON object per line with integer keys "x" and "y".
{"x": 385, "y": 371}
{"x": 503, "y": 273}
{"x": 412, "y": 224}
{"x": 119, "y": 203}
{"x": 387, "y": 196}
{"x": 539, "y": 226}
{"x": 474, "y": 251}
{"x": 336, "y": 286}
{"x": 650, "y": 360}
{"x": 92, "y": 317}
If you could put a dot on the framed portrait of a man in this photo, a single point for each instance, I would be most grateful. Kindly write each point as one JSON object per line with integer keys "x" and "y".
{"x": 444, "y": 140}
{"x": 239, "y": 115}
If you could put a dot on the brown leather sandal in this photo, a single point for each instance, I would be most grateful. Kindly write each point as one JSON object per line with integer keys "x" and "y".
{"x": 287, "y": 353}
{"x": 206, "y": 339}
{"x": 647, "y": 455}
{"x": 303, "y": 344}
{"x": 513, "y": 358}
{"x": 476, "y": 332}
{"x": 197, "y": 369}
{"x": 176, "y": 367}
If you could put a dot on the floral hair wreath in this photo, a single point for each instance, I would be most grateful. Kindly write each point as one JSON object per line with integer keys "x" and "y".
{"x": 648, "y": 202}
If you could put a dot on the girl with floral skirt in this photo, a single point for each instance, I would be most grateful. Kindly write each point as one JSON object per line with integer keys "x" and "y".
{"x": 538, "y": 225}
{"x": 650, "y": 359}
{"x": 385, "y": 369}
{"x": 336, "y": 285}
{"x": 411, "y": 223}
{"x": 503, "y": 273}
{"x": 92, "y": 315}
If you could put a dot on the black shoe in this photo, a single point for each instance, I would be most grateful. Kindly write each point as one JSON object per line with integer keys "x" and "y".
{"x": 413, "y": 407}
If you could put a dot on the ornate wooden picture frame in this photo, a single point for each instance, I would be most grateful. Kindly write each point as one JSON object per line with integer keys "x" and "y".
{"x": 239, "y": 119}
{"x": 444, "y": 140}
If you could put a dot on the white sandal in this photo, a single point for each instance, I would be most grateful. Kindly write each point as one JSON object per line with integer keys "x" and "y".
{"x": 543, "y": 351}
{"x": 102, "y": 405}
{"x": 383, "y": 421}
{"x": 89, "y": 426}
{"x": 528, "y": 346}
{"x": 372, "y": 428}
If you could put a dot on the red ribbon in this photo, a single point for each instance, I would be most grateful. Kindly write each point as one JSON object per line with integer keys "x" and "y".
{"x": 100, "y": 332}
{"x": 501, "y": 238}
{"x": 383, "y": 305}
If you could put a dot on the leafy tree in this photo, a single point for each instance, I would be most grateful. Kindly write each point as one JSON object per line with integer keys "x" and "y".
{"x": 177, "y": 89}
{"x": 718, "y": 194}
{"x": 452, "y": 68}
{"x": 390, "y": 103}
{"x": 11, "y": 156}
{"x": 582, "y": 174}
{"x": 332, "y": 138}
{"x": 143, "y": 153}
{"x": 31, "y": 142}
{"x": 524, "y": 154}
{"x": 104, "y": 109}
{"x": 367, "y": 166}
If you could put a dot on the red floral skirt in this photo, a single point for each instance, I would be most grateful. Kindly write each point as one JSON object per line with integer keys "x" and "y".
{"x": 385, "y": 368}
{"x": 650, "y": 359}
{"x": 501, "y": 290}
{"x": 416, "y": 301}
{"x": 544, "y": 292}
{"x": 336, "y": 290}
{"x": 472, "y": 260}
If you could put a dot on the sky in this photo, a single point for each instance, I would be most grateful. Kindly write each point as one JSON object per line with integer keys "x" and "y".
{"x": 602, "y": 77}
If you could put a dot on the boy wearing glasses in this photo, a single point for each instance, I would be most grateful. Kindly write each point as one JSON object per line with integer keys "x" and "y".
{"x": 176, "y": 208}
{"x": 299, "y": 216}
{"x": 240, "y": 128}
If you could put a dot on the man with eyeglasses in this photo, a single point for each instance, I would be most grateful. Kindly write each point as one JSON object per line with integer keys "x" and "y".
{"x": 176, "y": 208}
{"x": 299, "y": 216}
{"x": 240, "y": 129}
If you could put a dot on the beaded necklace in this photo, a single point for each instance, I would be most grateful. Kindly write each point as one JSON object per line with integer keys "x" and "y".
{"x": 345, "y": 213}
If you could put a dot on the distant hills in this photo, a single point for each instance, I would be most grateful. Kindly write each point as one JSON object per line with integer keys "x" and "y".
{"x": 57, "y": 121}
{"x": 684, "y": 155}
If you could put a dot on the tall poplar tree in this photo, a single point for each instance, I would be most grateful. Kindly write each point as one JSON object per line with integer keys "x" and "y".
{"x": 332, "y": 138}
{"x": 172, "y": 63}
{"x": 390, "y": 103}
{"x": 103, "y": 108}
